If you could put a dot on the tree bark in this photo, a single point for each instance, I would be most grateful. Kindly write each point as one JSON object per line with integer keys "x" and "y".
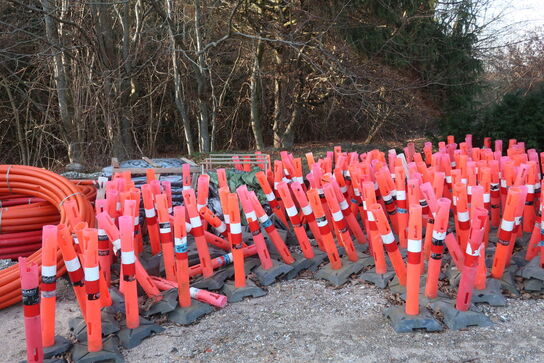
{"x": 178, "y": 84}
{"x": 256, "y": 124}
{"x": 202, "y": 85}
{"x": 62, "y": 85}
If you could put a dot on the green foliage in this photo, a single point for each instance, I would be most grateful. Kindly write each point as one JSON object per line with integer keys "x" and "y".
{"x": 518, "y": 115}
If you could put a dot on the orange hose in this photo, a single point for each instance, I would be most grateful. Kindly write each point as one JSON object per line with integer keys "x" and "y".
{"x": 39, "y": 183}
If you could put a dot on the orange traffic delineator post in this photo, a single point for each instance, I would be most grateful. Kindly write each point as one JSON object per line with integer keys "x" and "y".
{"x": 93, "y": 315}
{"x": 241, "y": 287}
{"x": 48, "y": 285}
{"x": 151, "y": 219}
{"x": 413, "y": 259}
{"x": 437, "y": 247}
{"x": 31, "y": 303}
{"x": 300, "y": 195}
{"x": 165, "y": 234}
{"x": 271, "y": 197}
{"x": 182, "y": 261}
{"x": 197, "y": 231}
{"x": 128, "y": 271}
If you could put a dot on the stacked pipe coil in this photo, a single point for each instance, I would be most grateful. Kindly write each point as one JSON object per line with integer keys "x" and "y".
{"x": 47, "y": 191}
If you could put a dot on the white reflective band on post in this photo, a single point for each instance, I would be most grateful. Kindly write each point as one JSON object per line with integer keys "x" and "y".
{"x": 371, "y": 217}
{"x": 136, "y": 221}
{"x": 503, "y": 183}
{"x": 448, "y": 179}
{"x": 493, "y": 184}
{"x": 307, "y": 210}
{"x": 464, "y": 180}
{"x": 200, "y": 206}
{"x": 235, "y": 228}
{"x": 346, "y": 173}
{"x": 388, "y": 238}
{"x": 263, "y": 219}
{"x": 76, "y": 241}
{"x": 72, "y": 265}
{"x": 49, "y": 270}
{"x": 186, "y": 187}
{"x": 118, "y": 206}
{"x": 344, "y": 205}
{"x": 356, "y": 192}
{"x": 223, "y": 227}
{"x": 337, "y": 216}
{"x": 170, "y": 210}
{"x": 517, "y": 220}
{"x": 116, "y": 245}
{"x": 150, "y": 213}
{"x": 299, "y": 179}
{"x": 487, "y": 198}
{"x": 401, "y": 195}
{"x": 321, "y": 223}
{"x": 530, "y": 188}
{"x": 180, "y": 241}
{"x": 343, "y": 189}
{"x": 127, "y": 257}
{"x": 270, "y": 196}
{"x": 276, "y": 185}
{"x": 251, "y": 215}
{"x": 507, "y": 226}
{"x": 393, "y": 176}
{"x": 414, "y": 245}
{"x": 227, "y": 218}
{"x": 195, "y": 222}
{"x": 439, "y": 235}
{"x": 537, "y": 185}
{"x": 188, "y": 227}
{"x": 286, "y": 172}
{"x": 364, "y": 205}
{"x": 291, "y": 211}
{"x": 462, "y": 216}
{"x": 91, "y": 273}
{"x": 470, "y": 252}
{"x": 469, "y": 190}
{"x": 193, "y": 291}
{"x": 320, "y": 191}
{"x": 387, "y": 197}
{"x": 101, "y": 232}
{"x": 165, "y": 230}
{"x": 285, "y": 179}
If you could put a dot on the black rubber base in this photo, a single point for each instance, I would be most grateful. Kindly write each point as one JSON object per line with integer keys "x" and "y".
{"x": 380, "y": 280}
{"x": 62, "y": 345}
{"x": 191, "y": 314}
{"x": 214, "y": 282}
{"x": 236, "y": 294}
{"x": 109, "y": 353}
{"x": 168, "y": 303}
{"x": 404, "y": 323}
{"x": 131, "y": 338}
{"x": 457, "y": 320}
{"x": 533, "y": 270}
{"x": 268, "y": 277}
{"x": 78, "y": 327}
{"x": 492, "y": 294}
{"x": 342, "y": 275}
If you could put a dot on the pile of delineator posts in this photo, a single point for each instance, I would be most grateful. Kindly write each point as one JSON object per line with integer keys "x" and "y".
{"x": 388, "y": 215}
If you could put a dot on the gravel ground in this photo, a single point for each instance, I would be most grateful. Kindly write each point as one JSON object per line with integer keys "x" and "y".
{"x": 304, "y": 320}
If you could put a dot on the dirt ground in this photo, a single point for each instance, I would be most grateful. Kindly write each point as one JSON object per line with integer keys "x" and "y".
{"x": 303, "y": 320}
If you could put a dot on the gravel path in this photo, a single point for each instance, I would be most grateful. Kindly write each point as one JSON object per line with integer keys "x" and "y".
{"x": 303, "y": 320}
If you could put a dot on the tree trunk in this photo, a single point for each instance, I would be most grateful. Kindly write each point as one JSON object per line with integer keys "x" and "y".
{"x": 125, "y": 115}
{"x": 202, "y": 86}
{"x": 62, "y": 86}
{"x": 255, "y": 88}
{"x": 178, "y": 85}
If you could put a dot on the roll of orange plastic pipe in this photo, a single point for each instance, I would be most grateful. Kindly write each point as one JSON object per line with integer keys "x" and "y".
{"x": 39, "y": 183}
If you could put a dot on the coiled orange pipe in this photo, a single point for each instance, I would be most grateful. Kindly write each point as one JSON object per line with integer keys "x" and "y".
{"x": 44, "y": 184}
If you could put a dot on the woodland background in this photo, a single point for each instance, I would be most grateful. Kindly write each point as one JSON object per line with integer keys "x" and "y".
{"x": 81, "y": 81}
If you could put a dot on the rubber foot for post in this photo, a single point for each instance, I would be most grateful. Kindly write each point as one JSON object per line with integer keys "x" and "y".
{"x": 310, "y": 264}
{"x": 109, "y": 353}
{"x": 153, "y": 264}
{"x": 533, "y": 270}
{"x": 168, "y": 303}
{"x": 507, "y": 281}
{"x": 78, "y": 327}
{"x": 340, "y": 276}
{"x": 397, "y": 288}
{"x": 456, "y": 320}
{"x": 379, "y": 280}
{"x": 492, "y": 294}
{"x": 117, "y": 302}
{"x": 236, "y": 294}
{"x": 131, "y": 338}
{"x": 190, "y": 314}
{"x": 214, "y": 282}
{"x": 62, "y": 345}
{"x": 533, "y": 285}
{"x": 404, "y": 323}
{"x": 268, "y": 277}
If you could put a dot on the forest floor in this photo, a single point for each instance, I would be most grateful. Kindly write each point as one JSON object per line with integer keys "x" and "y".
{"x": 304, "y": 320}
